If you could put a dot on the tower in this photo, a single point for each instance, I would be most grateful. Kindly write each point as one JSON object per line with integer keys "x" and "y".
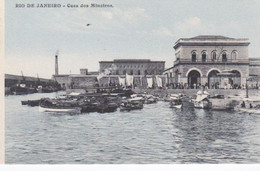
{"x": 56, "y": 64}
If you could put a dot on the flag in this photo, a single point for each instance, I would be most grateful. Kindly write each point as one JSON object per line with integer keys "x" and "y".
{"x": 121, "y": 81}
{"x": 129, "y": 79}
{"x": 159, "y": 81}
{"x": 149, "y": 82}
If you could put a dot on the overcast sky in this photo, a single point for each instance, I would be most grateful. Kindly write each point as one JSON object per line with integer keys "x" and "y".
{"x": 131, "y": 29}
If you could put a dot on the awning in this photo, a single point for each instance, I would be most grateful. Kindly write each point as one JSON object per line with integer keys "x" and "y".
{"x": 226, "y": 73}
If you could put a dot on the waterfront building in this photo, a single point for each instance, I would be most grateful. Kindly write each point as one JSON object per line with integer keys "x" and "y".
{"x": 132, "y": 67}
{"x": 214, "y": 61}
{"x": 254, "y": 67}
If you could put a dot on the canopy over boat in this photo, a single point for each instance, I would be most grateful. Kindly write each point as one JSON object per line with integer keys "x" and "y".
{"x": 201, "y": 95}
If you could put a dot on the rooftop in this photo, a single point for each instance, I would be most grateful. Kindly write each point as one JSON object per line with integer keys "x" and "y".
{"x": 129, "y": 60}
{"x": 211, "y": 39}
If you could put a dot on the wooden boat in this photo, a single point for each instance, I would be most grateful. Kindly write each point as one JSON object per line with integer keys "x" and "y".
{"x": 175, "y": 101}
{"x": 31, "y": 102}
{"x": 132, "y": 104}
{"x": 98, "y": 107}
{"x": 59, "y": 109}
{"x": 251, "y": 111}
{"x": 21, "y": 89}
{"x": 127, "y": 106}
{"x": 249, "y": 105}
{"x": 98, "y": 104}
{"x": 202, "y": 100}
{"x": 24, "y": 102}
{"x": 219, "y": 102}
{"x": 149, "y": 99}
{"x": 59, "y": 106}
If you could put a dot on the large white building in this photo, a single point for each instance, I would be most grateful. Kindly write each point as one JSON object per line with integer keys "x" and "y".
{"x": 210, "y": 60}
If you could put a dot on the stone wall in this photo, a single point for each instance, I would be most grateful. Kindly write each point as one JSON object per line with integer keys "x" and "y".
{"x": 63, "y": 80}
{"x": 84, "y": 81}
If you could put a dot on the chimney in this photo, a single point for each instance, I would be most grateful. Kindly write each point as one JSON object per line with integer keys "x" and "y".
{"x": 56, "y": 64}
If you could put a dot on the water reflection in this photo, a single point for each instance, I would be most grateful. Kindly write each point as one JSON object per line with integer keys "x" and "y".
{"x": 156, "y": 134}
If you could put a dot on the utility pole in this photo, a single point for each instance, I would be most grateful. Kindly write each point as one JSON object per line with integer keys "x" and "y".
{"x": 247, "y": 79}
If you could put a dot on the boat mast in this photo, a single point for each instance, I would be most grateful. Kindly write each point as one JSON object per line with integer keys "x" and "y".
{"x": 23, "y": 76}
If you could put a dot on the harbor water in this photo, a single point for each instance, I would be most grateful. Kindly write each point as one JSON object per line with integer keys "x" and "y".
{"x": 156, "y": 134}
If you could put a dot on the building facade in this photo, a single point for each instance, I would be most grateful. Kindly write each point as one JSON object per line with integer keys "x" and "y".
{"x": 210, "y": 61}
{"x": 132, "y": 67}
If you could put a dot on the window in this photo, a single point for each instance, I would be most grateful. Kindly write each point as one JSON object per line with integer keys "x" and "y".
{"x": 193, "y": 57}
{"x": 214, "y": 56}
{"x": 117, "y": 72}
{"x": 224, "y": 57}
{"x": 234, "y": 55}
{"x": 131, "y": 72}
{"x": 139, "y": 72}
{"x": 204, "y": 57}
{"x": 124, "y": 72}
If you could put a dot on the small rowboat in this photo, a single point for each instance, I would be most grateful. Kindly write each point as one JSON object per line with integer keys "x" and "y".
{"x": 176, "y": 106}
{"x": 251, "y": 111}
{"x": 64, "y": 109}
{"x": 175, "y": 102}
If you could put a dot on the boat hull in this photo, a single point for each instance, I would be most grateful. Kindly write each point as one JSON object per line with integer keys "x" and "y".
{"x": 176, "y": 106}
{"x": 250, "y": 111}
{"x": 60, "y": 109}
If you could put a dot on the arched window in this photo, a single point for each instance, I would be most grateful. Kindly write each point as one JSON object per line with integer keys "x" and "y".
{"x": 224, "y": 57}
{"x": 193, "y": 57}
{"x": 234, "y": 55}
{"x": 203, "y": 57}
{"x": 214, "y": 56}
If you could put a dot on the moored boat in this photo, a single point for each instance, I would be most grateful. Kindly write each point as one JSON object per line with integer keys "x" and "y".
{"x": 220, "y": 102}
{"x": 132, "y": 104}
{"x": 59, "y": 106}
{"x": 127, "y": 106}
{"x": 60, "y": 109}
{"x": 202, "y": 100}
{"x": 249, "y": 105}
{"x": 31, "y": 102}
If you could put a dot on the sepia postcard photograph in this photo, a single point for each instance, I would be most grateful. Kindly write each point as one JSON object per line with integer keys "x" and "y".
{"x": 131, "y": 82}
